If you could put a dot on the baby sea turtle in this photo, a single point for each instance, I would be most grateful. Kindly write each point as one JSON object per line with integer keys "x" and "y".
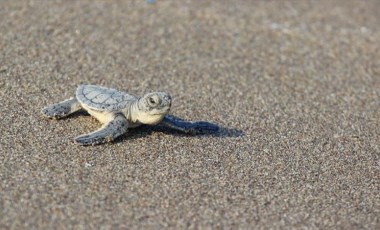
{"x": 118, "y": 111}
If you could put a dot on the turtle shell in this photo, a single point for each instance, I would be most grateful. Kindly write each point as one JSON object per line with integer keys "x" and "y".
{"x": 102, "y": 98}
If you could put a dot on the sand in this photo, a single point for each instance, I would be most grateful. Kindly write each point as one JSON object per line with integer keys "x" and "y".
{"x": 294, "y": 84}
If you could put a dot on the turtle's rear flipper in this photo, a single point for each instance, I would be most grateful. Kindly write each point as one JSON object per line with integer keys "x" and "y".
{"x": 108, "y": 132}
{"x": 62, "y": 109}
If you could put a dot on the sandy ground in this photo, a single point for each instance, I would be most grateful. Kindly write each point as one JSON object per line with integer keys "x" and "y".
{"x": 295, "y": 84}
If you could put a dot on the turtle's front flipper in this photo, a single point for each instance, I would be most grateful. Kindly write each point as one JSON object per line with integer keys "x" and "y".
{"x": 108, "y": 132}
{"x": 62, "y": 109}
{"x": 195, "y": 127}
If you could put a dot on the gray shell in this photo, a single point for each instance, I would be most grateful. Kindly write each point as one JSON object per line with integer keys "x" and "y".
{"x": 103, "y": 99}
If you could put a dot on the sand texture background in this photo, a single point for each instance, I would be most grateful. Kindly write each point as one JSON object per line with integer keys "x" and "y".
{"x": 295, "y": 84}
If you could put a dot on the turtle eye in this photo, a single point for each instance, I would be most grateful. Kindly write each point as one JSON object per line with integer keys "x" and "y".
{"x": 152, "y": 101}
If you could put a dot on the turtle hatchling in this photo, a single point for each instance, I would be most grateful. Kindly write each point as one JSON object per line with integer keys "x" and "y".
{"x": 118, "y": 111}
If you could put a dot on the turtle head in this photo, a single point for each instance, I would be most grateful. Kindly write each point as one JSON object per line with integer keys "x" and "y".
{"x": 153, "y": 107}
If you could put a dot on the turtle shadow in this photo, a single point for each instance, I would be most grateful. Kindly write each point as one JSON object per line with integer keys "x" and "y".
{"x": 147, "y": 130}
{"x": 75, "y": 115}
{"x": 69, "y": 117}
{"x": 221, "y": 132}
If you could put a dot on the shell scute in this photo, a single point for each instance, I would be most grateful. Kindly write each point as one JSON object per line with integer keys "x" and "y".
{"x": 101, "y": 98}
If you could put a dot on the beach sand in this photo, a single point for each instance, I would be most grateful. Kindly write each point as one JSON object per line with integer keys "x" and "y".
{"x": 294, "y": 84}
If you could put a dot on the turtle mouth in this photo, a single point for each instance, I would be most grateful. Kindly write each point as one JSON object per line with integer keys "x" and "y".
{"x": 162, "y": 112}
